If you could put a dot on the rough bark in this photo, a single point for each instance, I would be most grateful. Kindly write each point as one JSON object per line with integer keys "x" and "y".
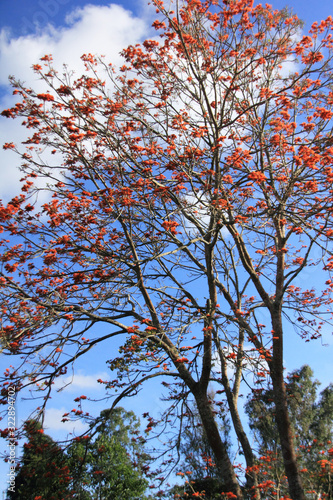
{"x": 251, "y": 476}
{"x": 281, "y": 412}
{"x": 222, "y": 459}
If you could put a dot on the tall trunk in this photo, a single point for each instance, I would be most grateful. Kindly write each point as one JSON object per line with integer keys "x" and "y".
{"x": 251, "y": 476}
{"x": 281, "y": 411}
{"x": 221, "y": 456}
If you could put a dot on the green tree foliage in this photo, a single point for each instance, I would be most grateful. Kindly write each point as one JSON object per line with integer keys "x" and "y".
{"x": 77, "y": 459}
{"x": 312, "y": 422}
{"x": 112, "y": 462}
{"x": 109, "y": 467}
{"x": 43, "y": 472}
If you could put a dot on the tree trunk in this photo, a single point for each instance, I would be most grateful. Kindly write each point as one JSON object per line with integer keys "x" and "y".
{"x": 281, "y": 412}
{"x": 221, "y": 456}
{"x": 251, "y": 475}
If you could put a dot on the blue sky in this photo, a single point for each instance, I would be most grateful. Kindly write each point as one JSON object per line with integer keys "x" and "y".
{"x": 68, "y": 28}
{"x": 22, "y": 16}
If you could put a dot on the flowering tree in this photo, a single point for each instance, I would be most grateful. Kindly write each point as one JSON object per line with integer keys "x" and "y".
{"x": 187, "y": 193}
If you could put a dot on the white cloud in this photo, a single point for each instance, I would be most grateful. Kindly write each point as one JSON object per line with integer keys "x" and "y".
{"x": 198, "y": 205}
{"x": 103, "y": 30}
{"x": 53, "y": 422}
{"x": 70, "y": 387}
{"x": 100, "y": 30}
{"x": 80, "y": 381}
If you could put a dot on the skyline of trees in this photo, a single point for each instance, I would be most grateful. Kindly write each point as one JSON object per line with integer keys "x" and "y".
{"x": 86, "y": 471}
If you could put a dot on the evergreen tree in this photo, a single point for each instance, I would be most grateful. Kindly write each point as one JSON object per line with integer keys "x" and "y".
{"x": 108, "y": 466}
{"x": 78, "y": 458}
{"x": 312, "y": 422}
{"x": 115, "y": 458}
{"x": 43, "y": 473}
